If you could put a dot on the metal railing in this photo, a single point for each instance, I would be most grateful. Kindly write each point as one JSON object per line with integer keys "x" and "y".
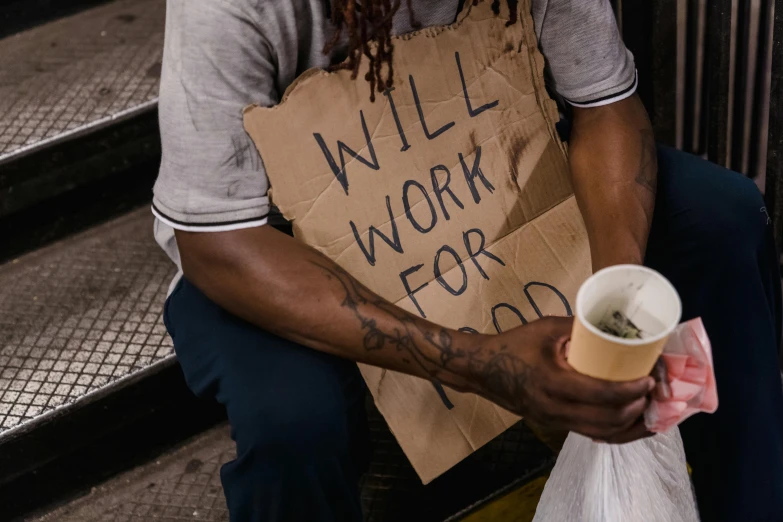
{"x": 711, "y": 76}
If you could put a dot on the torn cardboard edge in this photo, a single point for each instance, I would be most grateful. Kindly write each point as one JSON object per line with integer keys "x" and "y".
{"x": 538, "y": 64}
{"x": 427, "y": 32}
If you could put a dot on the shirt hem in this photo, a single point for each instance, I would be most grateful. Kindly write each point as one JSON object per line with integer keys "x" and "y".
{"x": 225, "y": 226}
{"x": 611, "y": 98}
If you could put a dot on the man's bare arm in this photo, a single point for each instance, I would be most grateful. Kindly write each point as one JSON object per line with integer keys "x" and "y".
{"x": 614, "y": 170}
{"x": 286, "y": 287}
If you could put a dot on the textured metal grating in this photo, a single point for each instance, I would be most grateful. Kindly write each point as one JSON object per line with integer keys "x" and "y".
{"x": 80, "y": 315}
{"x": 67, "y": 76}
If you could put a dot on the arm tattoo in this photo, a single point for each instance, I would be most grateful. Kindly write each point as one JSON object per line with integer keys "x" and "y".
{"x": 405, "y": 335}
{"x": 500, "y": 373}
{"x": 502, "y": 376}
{"x": 647, "y": 176}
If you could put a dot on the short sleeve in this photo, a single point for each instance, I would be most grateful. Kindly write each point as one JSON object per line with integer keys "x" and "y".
{"x": 215, "y": 63}
{"x": 587, "y": 61}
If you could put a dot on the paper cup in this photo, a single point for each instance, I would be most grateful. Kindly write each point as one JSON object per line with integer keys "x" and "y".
{"x": 646, "y": 298}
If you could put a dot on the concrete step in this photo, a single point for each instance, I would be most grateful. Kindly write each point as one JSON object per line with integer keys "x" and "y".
{"x": 78, "y": 316}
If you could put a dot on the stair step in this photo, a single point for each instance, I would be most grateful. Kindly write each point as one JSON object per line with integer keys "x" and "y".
{"x": 19, "y": 15}
{"x": 79, "y": 316}
{"x": 88, "y": 379}
{"x": 78, "y": 73}
{"x": 77, "y": 100}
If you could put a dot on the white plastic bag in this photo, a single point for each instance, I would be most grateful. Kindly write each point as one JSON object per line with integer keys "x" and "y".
{"x": 643, "y": 481}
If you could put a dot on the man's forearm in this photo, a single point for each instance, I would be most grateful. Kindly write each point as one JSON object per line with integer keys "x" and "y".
{"x": 285, "y": 287}
{"x": 614, "y": 171}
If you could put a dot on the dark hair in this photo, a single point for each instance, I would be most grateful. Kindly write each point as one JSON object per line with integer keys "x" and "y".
{"x": 373, "y": 19}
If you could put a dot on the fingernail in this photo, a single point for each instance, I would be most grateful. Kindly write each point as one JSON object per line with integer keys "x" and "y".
{"x": 650, "y": 385}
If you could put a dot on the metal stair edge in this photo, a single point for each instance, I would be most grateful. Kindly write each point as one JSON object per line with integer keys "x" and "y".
{"x": 54, "y": 167}
{"x": 67, "y": 451}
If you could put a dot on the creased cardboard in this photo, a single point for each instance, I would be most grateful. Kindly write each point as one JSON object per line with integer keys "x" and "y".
{"x": 448, "y": 196}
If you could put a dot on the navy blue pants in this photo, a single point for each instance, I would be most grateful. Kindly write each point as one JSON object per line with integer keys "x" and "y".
{"x": 298, "y": 419}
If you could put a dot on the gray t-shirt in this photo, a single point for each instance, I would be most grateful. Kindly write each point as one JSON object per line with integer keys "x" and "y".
{"x": 222, "y": 55}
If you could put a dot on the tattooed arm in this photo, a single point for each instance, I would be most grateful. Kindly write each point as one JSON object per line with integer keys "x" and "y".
{"x": 614, "y": 170}
{"x": 285, "y": 287}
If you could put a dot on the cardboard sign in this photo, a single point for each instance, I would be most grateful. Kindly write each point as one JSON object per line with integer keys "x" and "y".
{"x": 448, "y": 196}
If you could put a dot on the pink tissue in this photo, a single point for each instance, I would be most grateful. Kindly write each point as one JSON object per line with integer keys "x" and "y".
{"x": 688, "y": 359}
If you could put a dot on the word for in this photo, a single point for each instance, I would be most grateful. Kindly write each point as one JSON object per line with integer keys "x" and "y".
{"x": 473, "y": 253}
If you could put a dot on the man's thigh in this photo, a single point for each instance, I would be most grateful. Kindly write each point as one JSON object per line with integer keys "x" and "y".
{"x": 710, "y": 236}
{"x": 274, "y": 390}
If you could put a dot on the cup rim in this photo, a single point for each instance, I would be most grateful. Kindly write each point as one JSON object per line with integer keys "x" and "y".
{"x": 619, "y": 340}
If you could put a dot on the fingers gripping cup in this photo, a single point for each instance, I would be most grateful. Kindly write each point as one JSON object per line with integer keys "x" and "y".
{"x": 624, "y": 314}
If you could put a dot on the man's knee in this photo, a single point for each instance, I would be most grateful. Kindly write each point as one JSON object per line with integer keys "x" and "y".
{"x": 292, "y": 425}
{"x": 717, "y": 208}
{"x": 296, "y": 456}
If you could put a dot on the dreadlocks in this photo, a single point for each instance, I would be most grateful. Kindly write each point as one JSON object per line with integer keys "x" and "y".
{"x": 373, "y": 19}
